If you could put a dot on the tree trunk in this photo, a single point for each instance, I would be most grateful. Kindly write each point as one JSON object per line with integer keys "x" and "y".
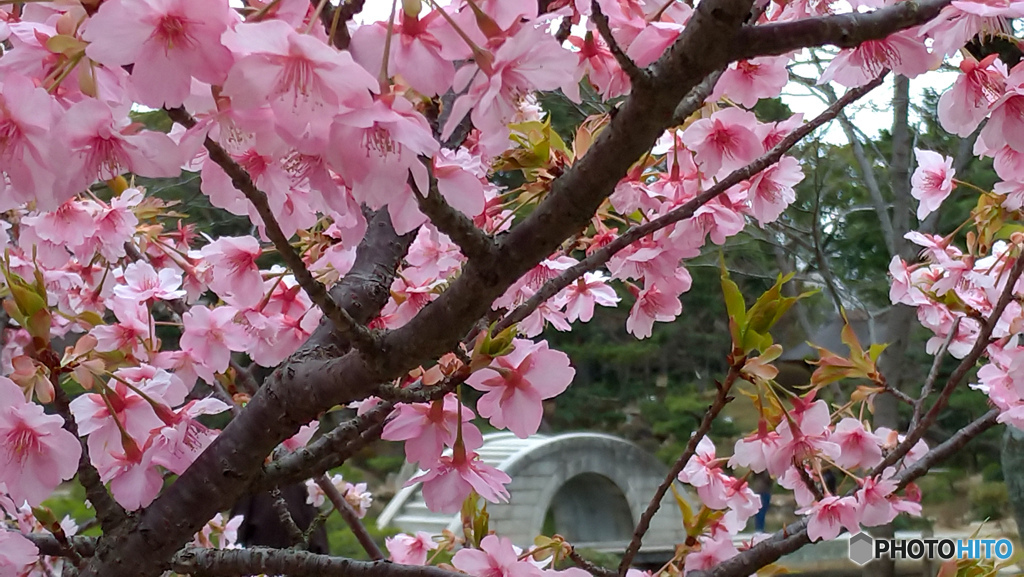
{"x": 1013, "y": 471}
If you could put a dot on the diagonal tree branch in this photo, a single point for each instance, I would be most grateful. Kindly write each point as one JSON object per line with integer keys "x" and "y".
{"x": 343, "y": 322}
{"x": 603, "y": 255}
{"x": 722, "y": 398}
{"x": 474, "y": 243}
{"x": 351, "y": 518}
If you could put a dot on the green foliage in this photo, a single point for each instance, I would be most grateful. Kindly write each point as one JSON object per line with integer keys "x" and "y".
{"x": 989, "y": 500}
{"x": 344, "y": 543}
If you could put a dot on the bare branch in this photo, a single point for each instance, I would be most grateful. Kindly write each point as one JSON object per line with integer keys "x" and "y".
{"x": 474, "y": 243}
{"x": 295, "y": 534}
{"x": 343, "y": 322}
{"x": 721, "y": 399}
{"x": 351, "y": 518}
{"x": 933, "y": 373}
{"x": 635, "y": 73}
{"x": 328, "y": 451}
{"x": 589, "y": 567}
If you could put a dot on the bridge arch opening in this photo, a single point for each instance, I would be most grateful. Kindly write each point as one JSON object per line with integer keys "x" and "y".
{"x": 590, "y": 508}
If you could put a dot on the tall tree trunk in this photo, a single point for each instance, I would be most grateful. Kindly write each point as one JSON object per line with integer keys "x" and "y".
{"x": 900, "y": 318}
{"x": 1013, "y": 472}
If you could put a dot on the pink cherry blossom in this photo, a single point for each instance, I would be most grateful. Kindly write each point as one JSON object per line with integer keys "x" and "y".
{"x": 747, "y": 81}
{"x": 873, "y": 498}
{"x": 16, "y": 553}
{"x": 771, "y": 190}
{"x": 302, "y": 79}
{"x": 597, "y": 63}
{"x": 447, "y": 484}
{"x": 391, "y": 135}
{"x": 143, "y": 283}
{"x": 130, "y": 331}
{"x": 409, "y": 549}
{"x": 859, "y": 448}
{"x": 169, "y": 42}
{"x": 752, "y": 451}
{"x": 903, "y": 53}
{"x": 36, "y": 453}
{"x": 415, "y": 52}
{"x": 702, "y": 466}
{"x": 235, "y": 272}
{"x": 134, "y": 481}
{"x": 27, "y": 117}
{"x": 495, "y": 558}
{"x": 515, "y": 384}
{"x": 652, "y": 304}
{"x": 802, "y": 438}
{"x": 713, "y": 551}
{"x": 829, "y": 516}
{"x": 528, "y": 60}
{"x": 210, "y": 336}
{"x": 932, "y": 182}
{"x": 723, "y": 142}
{"x": 101, "y": 148}
{"x": 967, "y": 102}
{"x": 427, "y": 427}
{"x": 589, "y": 290}
{"x": 104, "y": 416}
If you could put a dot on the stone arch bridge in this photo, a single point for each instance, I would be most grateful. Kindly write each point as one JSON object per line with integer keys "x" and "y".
{"x": 590, "y": 488}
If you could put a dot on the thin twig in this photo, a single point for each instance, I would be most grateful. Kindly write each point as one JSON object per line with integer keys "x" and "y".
{"x": 108, "y": 512}
{"x": 595, "y": 570}
{"x": 722, "y": 398}
{"x": 295, "y": 534}
{"x": 343, "y": 322}
{"x": 933, "y": 373}
{"x": 474, "y": 243}
{"x": 328, "y": 451}
{"x": 351, "y": 517}
{"x": 636, "y": 74}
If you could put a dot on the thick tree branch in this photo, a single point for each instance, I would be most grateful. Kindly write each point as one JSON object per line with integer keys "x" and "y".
{"x": 844, "y": 31}
{"x": 343, "y": 322}
{"x": 232, "y": 562}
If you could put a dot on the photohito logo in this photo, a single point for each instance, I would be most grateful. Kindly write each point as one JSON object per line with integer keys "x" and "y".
{"x": 864, "y": 548}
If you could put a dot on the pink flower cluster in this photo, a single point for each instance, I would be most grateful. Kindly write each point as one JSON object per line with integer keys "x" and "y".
{"x": 796, "y": 453}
